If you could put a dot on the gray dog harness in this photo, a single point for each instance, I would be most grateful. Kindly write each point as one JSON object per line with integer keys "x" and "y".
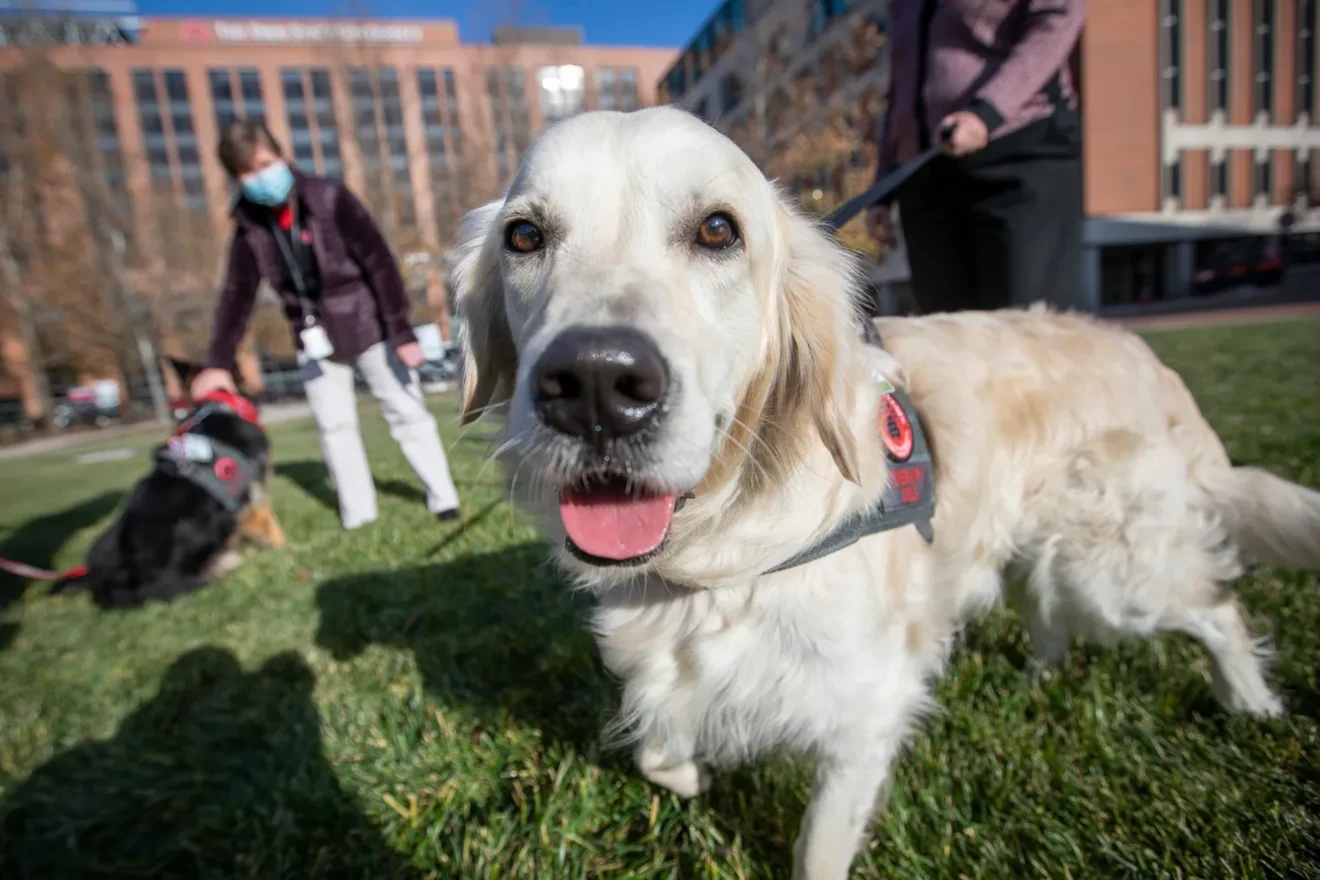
{"x": 909, "y": 498}
{"x": 226, "y": 473}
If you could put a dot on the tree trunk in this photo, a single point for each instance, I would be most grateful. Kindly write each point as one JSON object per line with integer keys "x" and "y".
{"x": 11, "y": 280}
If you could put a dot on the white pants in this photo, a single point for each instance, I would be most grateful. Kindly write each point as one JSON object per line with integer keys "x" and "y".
{"x": 332, "y": 397}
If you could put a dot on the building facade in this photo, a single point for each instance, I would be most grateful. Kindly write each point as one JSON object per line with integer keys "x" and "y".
{"x": 420, "y": 124}
{"x": 1201, "y": 137}
{"x": 1199, "y": 116}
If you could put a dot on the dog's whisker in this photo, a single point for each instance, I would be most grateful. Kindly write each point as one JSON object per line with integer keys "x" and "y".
{"x": 511, "y": 443}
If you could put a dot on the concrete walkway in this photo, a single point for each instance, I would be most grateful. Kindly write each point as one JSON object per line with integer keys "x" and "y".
{"x": 271, "y": 414}
{"x": 1222, "y": 317}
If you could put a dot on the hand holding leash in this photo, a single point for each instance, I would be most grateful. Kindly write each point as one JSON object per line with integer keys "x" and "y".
{"x": 963, "y": 132}
{"x": 885, "y": 187}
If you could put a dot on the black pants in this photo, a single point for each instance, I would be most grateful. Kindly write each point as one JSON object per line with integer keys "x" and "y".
{"x": 989, "y": 235}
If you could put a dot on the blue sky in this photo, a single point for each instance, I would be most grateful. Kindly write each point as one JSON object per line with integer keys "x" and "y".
{"x": 626, "y": 22}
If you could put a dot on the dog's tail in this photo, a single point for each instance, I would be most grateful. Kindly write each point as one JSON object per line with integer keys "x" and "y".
{"x": 1274, "y": 521}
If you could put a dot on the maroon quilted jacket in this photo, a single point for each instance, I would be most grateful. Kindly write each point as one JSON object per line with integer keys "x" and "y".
{"x": 362, "y": 301}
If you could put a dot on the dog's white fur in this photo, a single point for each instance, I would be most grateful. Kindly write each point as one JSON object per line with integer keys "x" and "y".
{"x": 1073, "y": 468}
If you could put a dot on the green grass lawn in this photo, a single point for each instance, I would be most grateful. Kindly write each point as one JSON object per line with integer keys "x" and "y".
{"x": 418, "y": 700}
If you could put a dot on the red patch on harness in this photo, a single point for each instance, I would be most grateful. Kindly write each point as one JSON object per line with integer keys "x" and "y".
{"x": 908, "y": 481}
{"x": 226, "y": 468}
{"x": 895, "y": 429}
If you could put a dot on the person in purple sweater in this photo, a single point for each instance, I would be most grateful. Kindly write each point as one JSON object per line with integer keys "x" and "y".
{"x": 997, "y": 220}
{"x": 319, "y": 249}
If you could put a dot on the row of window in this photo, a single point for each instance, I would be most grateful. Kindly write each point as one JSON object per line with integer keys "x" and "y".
{"x": 1262, "y": 177}
{"x": 712, "y": 41}
{"x": 1219, "y": 56}
{"x": 94, "y": 149}
{"x": 164, "y": 116}
{"x": 718, "y": 34}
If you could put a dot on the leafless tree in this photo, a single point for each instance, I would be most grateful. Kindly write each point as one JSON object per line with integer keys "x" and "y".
{"x": 808, "y": 118}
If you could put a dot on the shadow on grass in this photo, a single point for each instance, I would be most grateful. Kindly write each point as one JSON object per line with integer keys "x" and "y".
{"x": 38, "y": 541}
{"x": 221, "y": 774}
{"x": 8, "y": 632}
{"x": 496, "y": 632}
{"x": 314, "y": 479}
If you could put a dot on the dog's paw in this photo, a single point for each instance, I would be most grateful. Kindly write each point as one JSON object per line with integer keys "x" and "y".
{"x": 687, "y": 779}
{"x": 1260, "y": 703}
{"x": 1266, "y": 707}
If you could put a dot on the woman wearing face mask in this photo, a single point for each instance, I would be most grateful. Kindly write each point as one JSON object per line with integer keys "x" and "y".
{"x": 319, "y": 249}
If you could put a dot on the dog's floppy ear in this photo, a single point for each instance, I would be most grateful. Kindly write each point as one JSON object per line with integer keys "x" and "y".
{"x": 815, "y": 326}
{"x": 490, "y": 358}
{"x": 819, "y": 281}
{"x": 806, "y": 385}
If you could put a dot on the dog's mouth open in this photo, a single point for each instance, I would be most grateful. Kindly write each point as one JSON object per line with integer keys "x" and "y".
{"x": 611, "y": 521}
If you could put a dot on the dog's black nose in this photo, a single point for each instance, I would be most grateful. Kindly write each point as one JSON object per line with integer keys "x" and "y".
{"x": 599, "y": 383}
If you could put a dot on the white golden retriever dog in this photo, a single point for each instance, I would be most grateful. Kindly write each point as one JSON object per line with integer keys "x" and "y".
{"x": 660, "y": 321}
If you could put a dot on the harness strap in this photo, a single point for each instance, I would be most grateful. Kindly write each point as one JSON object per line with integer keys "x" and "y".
{"x": 225, "y": 472}
{"x": 909, "y": 498}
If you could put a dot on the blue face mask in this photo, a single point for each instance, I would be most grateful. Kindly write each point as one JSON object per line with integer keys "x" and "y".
{"x": 270, "y": 186}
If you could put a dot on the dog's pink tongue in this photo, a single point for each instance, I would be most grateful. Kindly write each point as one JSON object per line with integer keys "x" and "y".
{"x": 615, "y": 526}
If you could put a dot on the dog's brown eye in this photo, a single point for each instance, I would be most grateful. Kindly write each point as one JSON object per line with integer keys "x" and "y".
{"x": 523, "y": 237}
{"x": 717, "y": 232}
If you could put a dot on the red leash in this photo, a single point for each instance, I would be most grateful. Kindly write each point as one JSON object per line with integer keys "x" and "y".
{"x": 19, "y": 569}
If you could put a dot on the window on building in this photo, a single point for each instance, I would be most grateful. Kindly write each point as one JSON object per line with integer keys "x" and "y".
{"x": 1306, "y": 24}
{"x": 6, "y": 113}
{"x": 563, "y": 92}
{"x": 1263, "y": 178}
{"x": 185, "y": 141}
{"x": 1302, "y": 183}
{"x": 1218, "y": 55}
{"x": 440, "y": 121}
{"x": 327, "y": 126}
{"x": 676, "y": 81}
{"x": 1219, "y": 178}
{"x": 629, "y": 97}
{"x": 222, "y": 99}
{"x": 1262, "y": 92}
{"x": 378, "y": 125}
{"x": 736, "y": 11}
{"x": 616, "y": 88}
{"x": 229, "y": 105}
{"x": 300, "y": 124}
{"x": 1171, "y": 182}
{"x": 91, "y": 143}
{"x": 397, "y": 145}
{"x": 451, "y": 103}
{"x": 153, "y": 131}
{"x": 499, "y": 112}
{"x": 102, "y": 108}
{"x": 249, "y": 86}
{"x": 507, "y": 94}
{"x": 701, "y": 55}
{"x": 516, "y": 89}
{"x": 605, "y": 89}
{"x": 1171, "y": 55}
{"x": 362, "y": 93}
{"x": 731, "y": 92}
{"x": 110, "y": 155}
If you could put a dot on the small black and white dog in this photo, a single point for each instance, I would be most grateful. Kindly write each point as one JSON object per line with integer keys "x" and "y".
{"x": 184, "y": 522}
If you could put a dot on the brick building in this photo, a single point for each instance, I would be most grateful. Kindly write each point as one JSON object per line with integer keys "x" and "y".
{"x": 1199, "y": 127}
{"x": 419, "y": 123}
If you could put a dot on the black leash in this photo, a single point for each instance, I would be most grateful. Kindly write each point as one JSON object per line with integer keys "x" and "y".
{"x": 887, "y": 185}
